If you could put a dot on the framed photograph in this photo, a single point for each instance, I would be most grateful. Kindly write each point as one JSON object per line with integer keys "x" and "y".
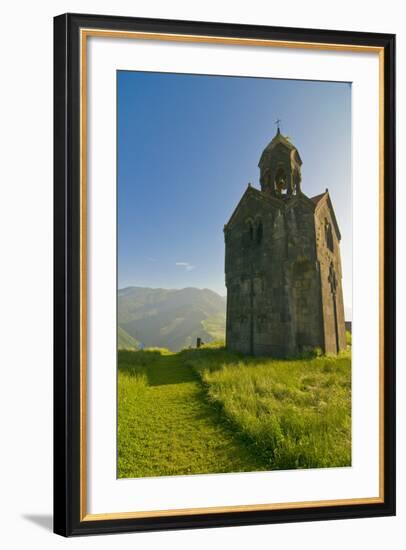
{"x": 224, "y": 274}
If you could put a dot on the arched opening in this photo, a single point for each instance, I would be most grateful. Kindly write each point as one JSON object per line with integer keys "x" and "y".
{"x": 329, "y": 235}
{"x": 248, "y": 234}
{"x": 281, "y": 181}
{"x": 260, "y": 232}
{"x": 250, "y": 231}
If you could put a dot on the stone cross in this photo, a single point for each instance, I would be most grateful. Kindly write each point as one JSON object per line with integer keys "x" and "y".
{"x": 332, "y": 279}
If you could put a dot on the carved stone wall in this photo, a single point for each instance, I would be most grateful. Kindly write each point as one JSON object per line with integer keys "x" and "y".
{"x": 328, "y": 251}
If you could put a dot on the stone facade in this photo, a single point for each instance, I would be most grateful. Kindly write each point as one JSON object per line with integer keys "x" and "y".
{"x": 282, "y": 264}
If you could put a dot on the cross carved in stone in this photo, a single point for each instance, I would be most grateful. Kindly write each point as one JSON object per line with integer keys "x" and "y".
{"x": 332, "y": 279}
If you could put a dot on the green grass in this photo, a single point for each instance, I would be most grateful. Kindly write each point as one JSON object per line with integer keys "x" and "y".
{"x": 208, "y": 411}
{"x": 297, "y": 412}
{"x": 166, "y": 425}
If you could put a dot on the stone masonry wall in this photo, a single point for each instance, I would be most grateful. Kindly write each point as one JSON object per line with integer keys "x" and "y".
{"x": 273, "y": 283}
{"x": 329, "y": 257}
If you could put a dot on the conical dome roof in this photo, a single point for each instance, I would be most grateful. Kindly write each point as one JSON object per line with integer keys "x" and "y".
{"x": 277, "y": 139}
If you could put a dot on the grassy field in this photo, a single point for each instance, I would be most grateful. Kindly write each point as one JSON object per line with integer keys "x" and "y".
{"x": 208, "y": 411}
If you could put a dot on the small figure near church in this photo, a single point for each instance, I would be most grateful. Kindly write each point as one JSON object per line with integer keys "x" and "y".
{"x": 282, "y": 264}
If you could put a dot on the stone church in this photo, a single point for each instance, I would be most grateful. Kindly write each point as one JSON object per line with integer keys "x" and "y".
{"x": 282, "y": 264}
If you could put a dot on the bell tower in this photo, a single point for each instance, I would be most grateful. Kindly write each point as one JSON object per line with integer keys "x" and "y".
{"x": 282, "y": 264}
{"x": 280, "y": 168}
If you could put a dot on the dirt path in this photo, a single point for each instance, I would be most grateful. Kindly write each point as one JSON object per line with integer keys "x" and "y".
{"x": 167, "y": 427}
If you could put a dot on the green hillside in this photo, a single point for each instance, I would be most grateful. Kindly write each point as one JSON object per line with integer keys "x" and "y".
{"x": 170, "y": 318}
{"x": 125, "y": 341}
{"x": 215, "y": 326}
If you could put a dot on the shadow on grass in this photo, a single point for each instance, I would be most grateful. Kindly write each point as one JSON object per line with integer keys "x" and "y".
{"x": 170, "y": 370}
{"x": 161, "y": 369}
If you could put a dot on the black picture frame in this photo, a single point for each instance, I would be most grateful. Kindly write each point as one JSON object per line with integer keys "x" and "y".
{"x": 67, "y": 289}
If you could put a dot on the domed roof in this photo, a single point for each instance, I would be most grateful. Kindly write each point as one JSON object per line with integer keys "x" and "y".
{"x": 279, "y": 139}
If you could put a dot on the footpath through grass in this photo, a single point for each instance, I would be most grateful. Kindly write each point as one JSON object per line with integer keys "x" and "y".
{"x": 166, "y": 425}
{"x": 210, "y": 411}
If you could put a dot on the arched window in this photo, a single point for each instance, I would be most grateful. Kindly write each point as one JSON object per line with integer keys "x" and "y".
{"x": 260, "y": 231}
{"x": 281, "y": 181}
{"x": 248, "y": 235}
{"x": 329, "y": 235}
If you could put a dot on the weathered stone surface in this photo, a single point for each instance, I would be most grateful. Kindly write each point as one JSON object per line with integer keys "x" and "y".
{"x": 282, "y": 264}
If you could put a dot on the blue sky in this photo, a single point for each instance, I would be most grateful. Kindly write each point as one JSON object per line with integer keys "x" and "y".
{"x": 187, "y": 147}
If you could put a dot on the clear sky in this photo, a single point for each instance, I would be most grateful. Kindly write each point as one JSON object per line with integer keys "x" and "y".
{"x": 187, "y": 147}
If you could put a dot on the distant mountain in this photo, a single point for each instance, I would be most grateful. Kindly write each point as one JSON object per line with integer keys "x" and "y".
{"x": 125, "y": 341}
{"x": 171, "y": 319}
